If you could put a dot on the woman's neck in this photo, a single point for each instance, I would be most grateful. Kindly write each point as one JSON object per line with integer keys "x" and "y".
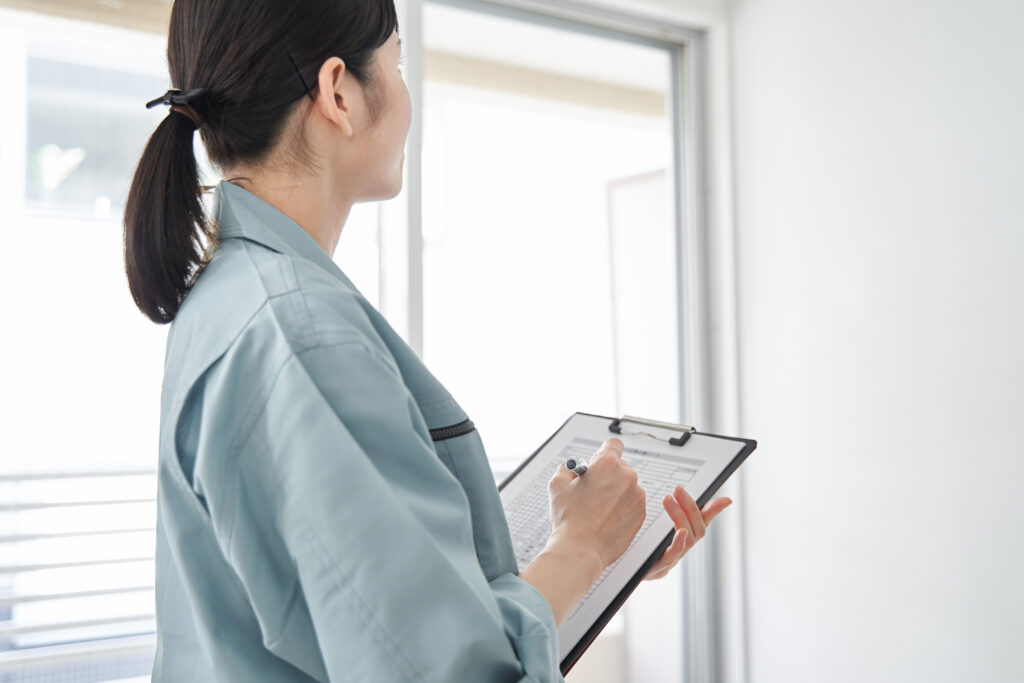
{"x": 313, "y": 202}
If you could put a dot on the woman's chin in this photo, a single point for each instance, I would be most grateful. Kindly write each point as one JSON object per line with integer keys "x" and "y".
{"x": 396, "y": 188}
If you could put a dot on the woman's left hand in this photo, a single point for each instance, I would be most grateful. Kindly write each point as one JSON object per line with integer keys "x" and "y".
{"x": 691, "y": 524}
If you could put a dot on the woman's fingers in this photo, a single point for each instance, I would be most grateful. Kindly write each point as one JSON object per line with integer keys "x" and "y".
{"x": 681, "y": 518}
{"x": 692, "y": 512}
{"x": 612, "y": 447}
{"x": 675, "y": 511}
{"x": 712, "y": 509}
{"x": 671, "y": 556}
{"x": 562, "y": 478}
{"x": 681, "y": 542}
{"x": 683, "y": 510}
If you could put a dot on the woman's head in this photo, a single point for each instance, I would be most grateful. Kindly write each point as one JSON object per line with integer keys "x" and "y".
{"x": 278, "y": 80}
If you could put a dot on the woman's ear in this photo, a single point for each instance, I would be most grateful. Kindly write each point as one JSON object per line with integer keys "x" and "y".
{"x": 336, "y": 94}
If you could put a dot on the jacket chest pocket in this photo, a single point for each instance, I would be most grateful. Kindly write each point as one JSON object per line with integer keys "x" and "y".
{"x": 461, "y": 449}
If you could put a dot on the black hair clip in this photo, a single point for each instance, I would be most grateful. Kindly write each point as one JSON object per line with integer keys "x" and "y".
{"x": 305, "y": 86}
{"x": 178, "y": 97}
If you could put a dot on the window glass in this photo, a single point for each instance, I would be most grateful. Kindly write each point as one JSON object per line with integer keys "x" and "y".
{"x": 549, "y": 273}
{"x": 549, "y": 287}
{"x": 81, "y": 367}
{"x": 85, "y": 128}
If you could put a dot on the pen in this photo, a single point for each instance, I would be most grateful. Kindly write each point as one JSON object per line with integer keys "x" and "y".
{"x": 576, "y": 466}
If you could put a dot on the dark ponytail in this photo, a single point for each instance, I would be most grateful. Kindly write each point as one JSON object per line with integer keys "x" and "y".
{"x": 253, "y": 61}
{"x": 163, "y": 220}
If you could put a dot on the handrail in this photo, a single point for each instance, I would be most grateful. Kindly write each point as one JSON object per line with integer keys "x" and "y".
{"x": 47, "y": 655}
{"x": 7, "y": 631}
{"x": 18, "y": 507}
{"x": 39, "y": 476}
{"x": 19, "y": 538}
{"x": 17, "y": 568}
{"x": 40, "y": 597}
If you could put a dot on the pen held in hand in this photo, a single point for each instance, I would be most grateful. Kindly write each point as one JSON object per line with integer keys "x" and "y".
{"x": 576, "y": 466}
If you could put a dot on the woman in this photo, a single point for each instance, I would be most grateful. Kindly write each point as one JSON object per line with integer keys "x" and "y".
{"x": 326, "y": 510}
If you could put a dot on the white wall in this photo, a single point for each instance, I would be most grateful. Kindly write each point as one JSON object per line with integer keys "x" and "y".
{"x": 879, "y": 158}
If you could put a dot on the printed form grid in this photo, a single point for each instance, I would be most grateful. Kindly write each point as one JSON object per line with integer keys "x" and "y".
{"x": 529, "y": 517}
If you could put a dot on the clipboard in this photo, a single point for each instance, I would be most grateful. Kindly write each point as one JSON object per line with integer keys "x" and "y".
{"x": 664, "y": 454}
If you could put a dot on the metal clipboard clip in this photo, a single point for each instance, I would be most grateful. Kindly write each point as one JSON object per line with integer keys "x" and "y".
{"x": 615, "y": 426}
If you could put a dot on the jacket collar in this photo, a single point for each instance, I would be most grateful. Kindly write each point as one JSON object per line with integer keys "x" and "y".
{"x": 239, "y": 214}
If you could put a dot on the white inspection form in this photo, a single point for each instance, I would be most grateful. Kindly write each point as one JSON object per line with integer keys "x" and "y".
{"x": 701, "y": 465}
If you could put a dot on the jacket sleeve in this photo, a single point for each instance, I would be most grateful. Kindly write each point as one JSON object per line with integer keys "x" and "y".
{"x": 379, "y": 532}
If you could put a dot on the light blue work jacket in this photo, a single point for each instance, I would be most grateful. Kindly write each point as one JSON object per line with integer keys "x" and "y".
{"x": 315, "y": 520}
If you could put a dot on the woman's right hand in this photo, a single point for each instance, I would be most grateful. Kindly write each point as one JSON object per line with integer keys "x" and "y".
{"x": 600, "y": 512}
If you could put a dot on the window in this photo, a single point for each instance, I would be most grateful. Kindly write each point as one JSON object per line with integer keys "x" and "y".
{"x": 546, "y": 225}
{"x": 80, "y": 420}
{"x": 532, "y": 258}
